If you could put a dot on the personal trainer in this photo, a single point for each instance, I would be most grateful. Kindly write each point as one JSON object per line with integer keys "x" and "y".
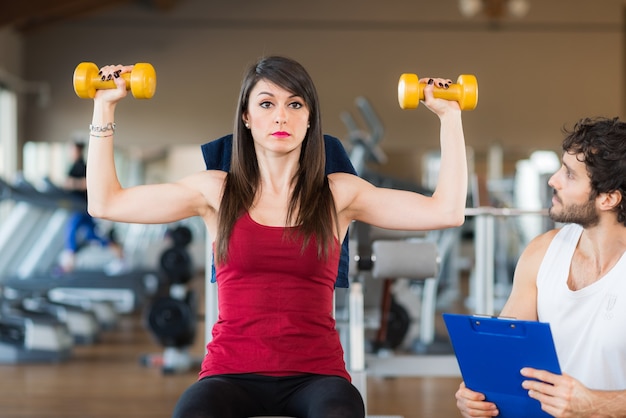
{"x": 574, "y": 278}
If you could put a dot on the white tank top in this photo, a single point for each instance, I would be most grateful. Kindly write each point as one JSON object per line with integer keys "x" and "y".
{"x": 589, "y": 325}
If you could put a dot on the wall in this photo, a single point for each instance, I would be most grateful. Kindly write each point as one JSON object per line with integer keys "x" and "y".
{"x": 562, "y": 62}
{"x": 10, "y": 71}
{"x": 10, "y": 52}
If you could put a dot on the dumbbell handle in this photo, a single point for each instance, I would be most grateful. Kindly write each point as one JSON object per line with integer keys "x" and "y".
{"x": 465, "y": 91}
{"x": 100, "y": 84}
{"x": 452, "y": 92}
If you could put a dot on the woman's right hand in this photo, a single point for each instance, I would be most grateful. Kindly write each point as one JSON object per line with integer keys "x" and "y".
{"x": 473, "y": 404}
{"x": 113, "y": 72}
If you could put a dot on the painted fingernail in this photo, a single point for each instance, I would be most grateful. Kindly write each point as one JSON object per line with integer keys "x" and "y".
{"x": 440, "y": 84}
{"x": 100, "y": 72}
{"x": 103, "y": 78}
{"x": 446, "y": 85}
{"x": 109, "y": 77}
{"x": 116, "y": 75}
{"x": 431, "y": 81}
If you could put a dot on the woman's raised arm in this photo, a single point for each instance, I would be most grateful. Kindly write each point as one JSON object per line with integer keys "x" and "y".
{"x": 194, "y": 195}
{"x": 397, "y": 209}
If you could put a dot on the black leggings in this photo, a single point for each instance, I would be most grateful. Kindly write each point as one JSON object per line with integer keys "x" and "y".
{"x": 249, "y": 395}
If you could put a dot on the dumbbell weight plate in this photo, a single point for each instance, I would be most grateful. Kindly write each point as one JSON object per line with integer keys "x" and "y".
{"x": 409, "y": 91}
{"x": 177, "y": 265}
{"x": 469, "y": 95}
{"x": 84, "y": 73}
{"x": 181, "y": 236}
{"x": 173, "y": 321}
{"x": 143, "y": 81}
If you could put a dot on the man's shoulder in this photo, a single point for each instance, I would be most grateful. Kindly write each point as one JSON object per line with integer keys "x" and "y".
{"x": 547, "y": 236}
{"x": 538, "y": 246}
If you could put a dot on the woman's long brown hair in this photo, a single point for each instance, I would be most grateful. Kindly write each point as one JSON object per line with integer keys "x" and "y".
{"x": 311, "y": 205}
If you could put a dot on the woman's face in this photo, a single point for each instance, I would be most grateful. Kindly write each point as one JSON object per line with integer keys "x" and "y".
{"x": 277, "y": 118}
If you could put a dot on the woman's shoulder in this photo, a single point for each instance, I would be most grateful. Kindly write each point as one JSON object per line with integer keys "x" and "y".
{"x": 212, "y": 174}
{"x": 203, "y": 177}
{"x": 207, "y": 182}
{"x": 341, "y": 177}
{"x": 346, "y": 187}
{"x": 341, "y": 181}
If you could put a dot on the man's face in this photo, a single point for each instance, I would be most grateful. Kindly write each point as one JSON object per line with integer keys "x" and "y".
{"x": 571, "y": 202}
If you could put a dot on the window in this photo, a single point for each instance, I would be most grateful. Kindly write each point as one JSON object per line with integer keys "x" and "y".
{"x": 8, "y": 133}
{"x": 8, "y": 142}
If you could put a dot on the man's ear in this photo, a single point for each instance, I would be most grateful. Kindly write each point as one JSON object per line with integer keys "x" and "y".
{"x": 610, "y": 200}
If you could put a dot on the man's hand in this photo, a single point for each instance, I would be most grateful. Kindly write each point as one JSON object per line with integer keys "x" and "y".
{"x": 561, "y": 395}
{"x": 473, "y": 404}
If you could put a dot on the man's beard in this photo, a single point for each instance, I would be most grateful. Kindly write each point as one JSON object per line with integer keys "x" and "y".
{"x": 583, "y": 214}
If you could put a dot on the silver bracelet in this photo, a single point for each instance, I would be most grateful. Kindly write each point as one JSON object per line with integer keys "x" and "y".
{"x": 108, "y": 127}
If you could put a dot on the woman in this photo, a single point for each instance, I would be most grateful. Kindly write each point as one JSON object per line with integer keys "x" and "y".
{"x": 277, "y": 220}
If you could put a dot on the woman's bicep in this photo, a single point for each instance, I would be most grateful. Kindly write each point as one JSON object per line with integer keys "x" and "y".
{"x": 157, "y": 203}
{"x": 382, "y": 207}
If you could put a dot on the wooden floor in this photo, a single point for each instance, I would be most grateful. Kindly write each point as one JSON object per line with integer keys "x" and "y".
{"x": 107, "y": 380}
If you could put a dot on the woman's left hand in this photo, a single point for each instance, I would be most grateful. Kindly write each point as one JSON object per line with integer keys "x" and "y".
{"x": 437, "y": 105}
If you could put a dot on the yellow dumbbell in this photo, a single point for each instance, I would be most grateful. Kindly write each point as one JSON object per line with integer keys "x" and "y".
{"x": 465, "y": 91}
{"x": 141, "y": 81}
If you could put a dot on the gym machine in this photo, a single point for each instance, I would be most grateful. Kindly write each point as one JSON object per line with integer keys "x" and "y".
{"x": 26, "y": 337}
{"x": 31, "y": 240}
{"x": 529, "y": 194}
{"x": 86, "y": 302}
{"x": 172, "y": 317}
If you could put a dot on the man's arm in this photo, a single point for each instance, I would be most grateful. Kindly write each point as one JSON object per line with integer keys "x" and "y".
{"x": 522, "y": 302}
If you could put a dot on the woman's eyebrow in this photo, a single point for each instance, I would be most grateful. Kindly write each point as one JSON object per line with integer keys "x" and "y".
{"x": 261, "y": 93}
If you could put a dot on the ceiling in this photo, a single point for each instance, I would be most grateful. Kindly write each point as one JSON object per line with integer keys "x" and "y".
{"x": 31, "y": 15}
{"x": 26, "y": 16}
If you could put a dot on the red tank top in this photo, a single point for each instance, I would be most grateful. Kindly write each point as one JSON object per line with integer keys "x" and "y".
{"x": 275, "y": 307}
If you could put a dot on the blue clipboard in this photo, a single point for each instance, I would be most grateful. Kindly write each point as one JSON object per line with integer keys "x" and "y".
{"x": 492, "y": 351}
